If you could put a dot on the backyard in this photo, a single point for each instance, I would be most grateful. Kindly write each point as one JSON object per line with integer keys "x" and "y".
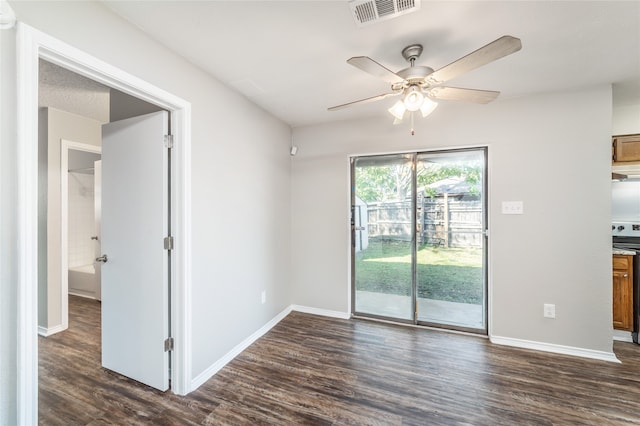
{"x": 448, "y": 274}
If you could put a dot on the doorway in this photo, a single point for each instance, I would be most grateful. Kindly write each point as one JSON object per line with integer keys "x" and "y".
{"x": 80, "y": 222}
{"x": 33, "y": 45}
{"x": 135, "y": 309}
{"x": 419, "y": 240}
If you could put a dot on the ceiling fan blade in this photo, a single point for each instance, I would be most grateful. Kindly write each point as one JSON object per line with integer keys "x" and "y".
{"x": 364, "y": 101}
{"x": 467, "y": 95}
{"x": 370, "y": 66}
{"x": 497, "y": 49}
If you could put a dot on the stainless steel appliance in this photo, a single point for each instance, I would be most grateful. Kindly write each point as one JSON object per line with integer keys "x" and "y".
{"x": 626, "y": 235}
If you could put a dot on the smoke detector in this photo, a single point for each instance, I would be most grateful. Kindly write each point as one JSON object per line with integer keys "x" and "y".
{"x": 366, "y": 12}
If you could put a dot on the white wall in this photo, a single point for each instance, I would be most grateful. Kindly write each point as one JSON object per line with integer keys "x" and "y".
{"x": 82, "y": 220}
{"x": 240, "y": 173}
{"x": 549, "y": 151}
{"x": 59, "y": 125}
{"x": 8, "y": 229}
{"x": 626, "y": 119}
{"x": 626, "y": 109}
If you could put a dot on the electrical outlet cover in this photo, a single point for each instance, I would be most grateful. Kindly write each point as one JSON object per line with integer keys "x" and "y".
{"x": 549, "y": 310}
{"x": 512, "y": 207}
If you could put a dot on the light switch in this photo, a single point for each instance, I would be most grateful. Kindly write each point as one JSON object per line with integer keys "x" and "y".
{"x": 512, "y": 207}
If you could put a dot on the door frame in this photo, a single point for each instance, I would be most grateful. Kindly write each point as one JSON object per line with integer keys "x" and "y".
{"x": 31, "y": 45}
{"x": 487, "y": 289}
{"x": 65, "y": 147}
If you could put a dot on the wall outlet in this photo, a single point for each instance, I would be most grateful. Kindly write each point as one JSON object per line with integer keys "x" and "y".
{"x": 549, "y": 310}
{"x": 512, "y": 207}
{"x": 264, "y": 296}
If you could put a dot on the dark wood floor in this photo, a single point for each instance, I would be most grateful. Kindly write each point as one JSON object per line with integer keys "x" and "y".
{"x": 316, "y": 370}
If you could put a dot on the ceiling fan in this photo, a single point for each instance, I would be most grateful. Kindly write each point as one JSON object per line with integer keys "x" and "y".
{"x": 420, "y": 85}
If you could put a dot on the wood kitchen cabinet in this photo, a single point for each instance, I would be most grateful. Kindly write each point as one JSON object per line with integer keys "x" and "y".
{"x": 625, "y": 148}
{"x": 623, "y": 292}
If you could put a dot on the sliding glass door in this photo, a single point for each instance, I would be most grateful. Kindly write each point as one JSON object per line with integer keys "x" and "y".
{"x": 450, "y": 270}
{"x": 382, "y": 235}
{"x": 419, "y": 240}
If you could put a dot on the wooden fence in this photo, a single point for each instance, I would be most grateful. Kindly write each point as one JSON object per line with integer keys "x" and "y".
{"x": 449, "y": 221}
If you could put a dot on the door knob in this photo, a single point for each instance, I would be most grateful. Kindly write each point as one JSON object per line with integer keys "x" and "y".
{"x": 102, "y": 258}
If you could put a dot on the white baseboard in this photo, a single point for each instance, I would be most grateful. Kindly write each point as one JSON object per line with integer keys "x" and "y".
{"x": 559, "y": 349}
{"x": 80, "y": 293}
{"x": 322, "y": 312}
{"x": 229, "y": 356}
{"x": 622, "y": 336}
{"x": 46, "y": 332}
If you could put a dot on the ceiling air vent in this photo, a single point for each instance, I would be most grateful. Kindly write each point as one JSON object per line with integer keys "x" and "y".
{"x": 367, "y": 12}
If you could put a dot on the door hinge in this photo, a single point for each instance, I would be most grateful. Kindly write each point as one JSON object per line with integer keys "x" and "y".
{"x": 168, "y": 344}
{"x": 168, "y": 243}
{"x": 168, "y": 141}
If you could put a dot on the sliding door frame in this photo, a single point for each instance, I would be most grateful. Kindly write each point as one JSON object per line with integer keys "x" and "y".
{"x": 352, "y": 238}
{"x": 485, "y": 246}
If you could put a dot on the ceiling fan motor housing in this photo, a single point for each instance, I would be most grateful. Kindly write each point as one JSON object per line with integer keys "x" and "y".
{"x": 413, "y": 76}
{"x": 412, "y": 52}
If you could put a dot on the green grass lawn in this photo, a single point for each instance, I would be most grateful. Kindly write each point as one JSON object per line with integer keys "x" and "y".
{"x": 450, "y": 274}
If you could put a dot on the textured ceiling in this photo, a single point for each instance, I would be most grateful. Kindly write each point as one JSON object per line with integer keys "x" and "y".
{"x": 70, "y": 92}
{"x": 289, "y": 56}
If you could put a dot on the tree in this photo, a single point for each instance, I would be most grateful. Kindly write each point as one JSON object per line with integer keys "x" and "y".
{"x": 383, "y": 183}
{"x": 429, "y": 173}
{"x": 390, "y": 182}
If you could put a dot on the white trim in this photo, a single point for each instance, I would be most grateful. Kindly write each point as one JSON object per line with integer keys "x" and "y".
{"x": 622, "y": 336}
{"x": 237, "y": 350}
{"x": 349, "y": 233}
{"x": 84, "y": 296}
{"x": 322, "y": 312}
{"x": 65, "y": 146}
{"x": 46, "y": 332}
{"x": 27, "y": 126}
{"x": 31, "y": 46}
{"x": 181, "y": 254}
{"x": 551, "y": 347}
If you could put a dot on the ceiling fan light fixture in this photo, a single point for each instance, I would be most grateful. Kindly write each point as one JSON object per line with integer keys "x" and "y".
{"x": 397, "y": 110}
{"x": 427, "y": 107}
{"x": 419, "y": 85}
{"x": 413, "y": 99}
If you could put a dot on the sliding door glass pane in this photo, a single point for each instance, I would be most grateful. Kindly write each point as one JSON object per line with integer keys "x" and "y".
{"x": 383, "y": 236}
{"x": 450, "y": 273}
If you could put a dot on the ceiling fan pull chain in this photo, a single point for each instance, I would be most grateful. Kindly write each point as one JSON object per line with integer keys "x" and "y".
{"x": 412, "y": 130}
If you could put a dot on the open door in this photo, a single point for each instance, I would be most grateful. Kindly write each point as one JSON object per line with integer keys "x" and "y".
{"x": 97, "y": 238}
{"x": 135, "y": 270}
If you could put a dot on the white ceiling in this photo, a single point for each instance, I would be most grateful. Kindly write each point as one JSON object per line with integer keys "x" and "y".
{"x": 289, "y": 56}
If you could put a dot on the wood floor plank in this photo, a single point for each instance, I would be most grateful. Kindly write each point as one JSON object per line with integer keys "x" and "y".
{"x": 312, "y": 370}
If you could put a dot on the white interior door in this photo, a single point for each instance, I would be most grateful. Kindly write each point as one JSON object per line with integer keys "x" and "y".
{"x": 135, "y": 277}
{"x": 97, "y": 212}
